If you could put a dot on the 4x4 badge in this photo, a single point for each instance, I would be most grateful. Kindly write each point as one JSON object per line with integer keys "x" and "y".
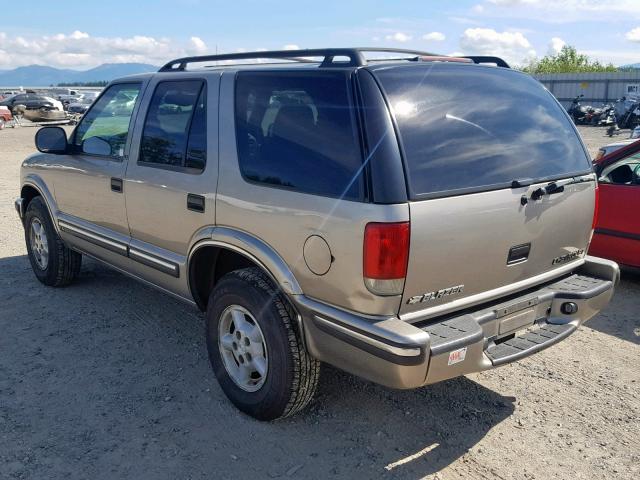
{"x": 445, "y": 292}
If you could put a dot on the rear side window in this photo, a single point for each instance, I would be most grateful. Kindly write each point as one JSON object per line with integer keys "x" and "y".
{"x": 174, "y": 133}
{"x": 468, "y": 128}
{"x": 297, "y": 130}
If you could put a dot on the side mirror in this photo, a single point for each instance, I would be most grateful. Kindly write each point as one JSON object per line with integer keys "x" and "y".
{"x": 96, "y": 146}
{"x": 51, "y": 140}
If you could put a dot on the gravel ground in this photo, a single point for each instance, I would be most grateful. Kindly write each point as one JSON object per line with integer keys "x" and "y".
{"x": 110, "y": 379}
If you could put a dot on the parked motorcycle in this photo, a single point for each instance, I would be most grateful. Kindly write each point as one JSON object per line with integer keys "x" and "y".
{"x": 584, "y": 114}
{"x": 608, "y": 116}
{"x": 576, "y": 111}
{"x": 630, "y": 117}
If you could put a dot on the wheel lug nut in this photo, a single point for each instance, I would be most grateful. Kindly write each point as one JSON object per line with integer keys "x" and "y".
{"x": 247, "y": 341}
{"x": 248, "y": 356}
{"x": 241, "y": 358}
{"x": 235, "y": 346}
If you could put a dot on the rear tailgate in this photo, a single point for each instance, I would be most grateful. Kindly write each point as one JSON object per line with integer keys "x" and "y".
{"x": 460, "y": 246}
{"x": 477, "y": 141}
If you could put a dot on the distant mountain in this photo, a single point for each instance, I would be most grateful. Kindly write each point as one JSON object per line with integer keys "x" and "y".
{"x": 633, "y": 65}
{"x": 41, "y": 76}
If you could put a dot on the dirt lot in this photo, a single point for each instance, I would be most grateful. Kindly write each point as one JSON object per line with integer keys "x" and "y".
{"x": 109, "y": 379}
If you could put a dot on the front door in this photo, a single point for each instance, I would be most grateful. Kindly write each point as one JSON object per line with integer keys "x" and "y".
{"x": 89, "y": 182}
{"x": 617, "y": 234}
{"x": 171, "y": 178}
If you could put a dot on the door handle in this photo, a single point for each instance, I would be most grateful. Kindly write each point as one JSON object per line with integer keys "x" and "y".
{"x": 116, "y": 185}
{"x": 195, "y": 203}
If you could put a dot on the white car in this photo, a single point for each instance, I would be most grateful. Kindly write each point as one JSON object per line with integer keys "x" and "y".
{"x": 612, "y": 147}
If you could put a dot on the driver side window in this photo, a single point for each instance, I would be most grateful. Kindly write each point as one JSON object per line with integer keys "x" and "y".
{"x": 104, "y": 129}
{"x": 623, "y": 172}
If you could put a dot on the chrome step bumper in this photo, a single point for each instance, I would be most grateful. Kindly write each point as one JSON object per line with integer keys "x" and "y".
{"x": 529, "y": 343}
{"x": 402, "y": 355}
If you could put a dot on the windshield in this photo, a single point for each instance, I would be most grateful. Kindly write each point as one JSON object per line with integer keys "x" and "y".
{"x": 465, "y": 128}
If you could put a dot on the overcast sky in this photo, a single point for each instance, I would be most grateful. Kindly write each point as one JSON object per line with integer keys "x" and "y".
{"x": 83, "y": 34}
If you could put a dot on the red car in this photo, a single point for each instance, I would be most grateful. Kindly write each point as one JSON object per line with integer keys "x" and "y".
{"x": 617, "y": 232}
{"x": 5, "y": 116}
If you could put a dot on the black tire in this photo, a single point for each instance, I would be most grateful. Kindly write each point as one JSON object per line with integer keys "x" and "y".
{"x": 63, "y": 264}
{"x": 292, "y": 375}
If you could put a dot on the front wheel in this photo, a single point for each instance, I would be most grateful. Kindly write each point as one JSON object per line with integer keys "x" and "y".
{"x": 53, "y": 263}
{"x": 255, "y": 349}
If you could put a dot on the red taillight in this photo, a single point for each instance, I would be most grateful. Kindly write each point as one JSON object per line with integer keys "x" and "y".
{"x": 386, "y": 252}
{"x": 596, "y": 208}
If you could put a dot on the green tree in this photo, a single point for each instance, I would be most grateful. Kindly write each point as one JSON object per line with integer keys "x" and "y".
{"x": 567, "y": 60}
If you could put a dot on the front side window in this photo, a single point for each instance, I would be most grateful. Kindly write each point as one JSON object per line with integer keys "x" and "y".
{"x": 175, "y": 129}
{"x": 105, "y": 128}
{"x": 296, "y": 130}
{"x": 623, "y": 172}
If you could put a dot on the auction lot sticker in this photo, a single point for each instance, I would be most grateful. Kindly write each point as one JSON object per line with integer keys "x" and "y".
{"x": 457, "y": 356}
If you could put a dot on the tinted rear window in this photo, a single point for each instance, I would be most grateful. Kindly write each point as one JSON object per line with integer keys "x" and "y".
{"x": 466, "y": 128}
{"x": 297, "y": 130}
{"x": 174, "y": 130}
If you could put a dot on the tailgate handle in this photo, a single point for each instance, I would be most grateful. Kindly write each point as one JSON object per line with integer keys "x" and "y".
{"x": 518, "y": 253}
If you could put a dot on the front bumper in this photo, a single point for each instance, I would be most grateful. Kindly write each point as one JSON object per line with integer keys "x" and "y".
{"x": 398, "y": 354}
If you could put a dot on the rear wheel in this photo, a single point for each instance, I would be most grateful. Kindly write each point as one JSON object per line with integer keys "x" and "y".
{"x": 53, "y": 263}
{"x": 255, "y": 349}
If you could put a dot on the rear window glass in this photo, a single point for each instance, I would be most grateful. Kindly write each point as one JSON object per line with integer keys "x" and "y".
{"x": 297, "y": 130}
{"x": 466, "y": 128}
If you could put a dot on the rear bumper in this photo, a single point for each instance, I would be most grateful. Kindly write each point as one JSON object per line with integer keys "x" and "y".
{"x": 397, "y": 354}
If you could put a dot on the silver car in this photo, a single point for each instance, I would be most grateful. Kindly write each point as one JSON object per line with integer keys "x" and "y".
{"x": 391, "y": 217}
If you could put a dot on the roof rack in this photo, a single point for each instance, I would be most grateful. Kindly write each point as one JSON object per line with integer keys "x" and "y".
{"x": 488, "y": 59}
{"x": 355, "y": 57}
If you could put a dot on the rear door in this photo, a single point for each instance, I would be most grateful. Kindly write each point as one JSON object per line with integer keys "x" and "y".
{"x": 172, "y": 174}
{"x": 477, "y": 141}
